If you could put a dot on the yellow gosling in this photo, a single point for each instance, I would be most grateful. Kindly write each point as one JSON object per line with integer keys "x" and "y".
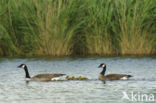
{"x": 68, "y": 78}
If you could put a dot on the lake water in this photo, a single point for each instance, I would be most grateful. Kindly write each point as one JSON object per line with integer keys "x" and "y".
{"x": 14, "y": 89}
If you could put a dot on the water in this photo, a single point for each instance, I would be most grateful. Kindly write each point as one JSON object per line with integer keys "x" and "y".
{"x": 14, "y": 89}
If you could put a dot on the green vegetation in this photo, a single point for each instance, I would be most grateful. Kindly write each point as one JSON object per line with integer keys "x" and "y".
{"x": 81, "y": 27}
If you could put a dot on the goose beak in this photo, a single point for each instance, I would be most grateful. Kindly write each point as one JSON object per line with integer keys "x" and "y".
{"x": 99, "y": 66}
{"x": 18, "y": 66}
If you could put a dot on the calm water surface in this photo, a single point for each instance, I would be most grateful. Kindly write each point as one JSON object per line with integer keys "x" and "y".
{"x": 14, "y": 89}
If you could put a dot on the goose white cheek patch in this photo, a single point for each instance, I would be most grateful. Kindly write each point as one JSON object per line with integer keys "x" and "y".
{"x": 23, "y": 66}
{"x": 103, "y": 66}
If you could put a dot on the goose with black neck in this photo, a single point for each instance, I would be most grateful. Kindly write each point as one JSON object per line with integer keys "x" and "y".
{"x": 39, "y": 77}
{"x": 102, "y": 75}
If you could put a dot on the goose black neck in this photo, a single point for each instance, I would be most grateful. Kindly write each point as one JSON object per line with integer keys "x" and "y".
{"x": 26, "y": 72}
{"x": 103, "y": 71}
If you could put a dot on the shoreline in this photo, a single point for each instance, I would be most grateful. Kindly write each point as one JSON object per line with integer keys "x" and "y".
{"x": 83, "y": 56}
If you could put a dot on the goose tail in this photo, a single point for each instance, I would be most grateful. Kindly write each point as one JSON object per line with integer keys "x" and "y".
{"x": 62, "y": 74}
{"x": 129, "y": 76}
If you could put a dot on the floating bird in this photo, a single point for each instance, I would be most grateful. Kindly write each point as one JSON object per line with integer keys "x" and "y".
{"x": 68, "y": 78}
{"x": 73, "y": 78}
{"x": 39, "y": 77}
{"x": 76, "y": 78}
{"x": 111, "y": 76}
{"x": 82, "y": 78}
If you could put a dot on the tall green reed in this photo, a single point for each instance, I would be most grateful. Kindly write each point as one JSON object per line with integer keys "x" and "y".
{"x": 84, "y": 27}
{"x": 99, "y": 27}
{"x": 135, "y": 21}
{"x": 55, "y": 31}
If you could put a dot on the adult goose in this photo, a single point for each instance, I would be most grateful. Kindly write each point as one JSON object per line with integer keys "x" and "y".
{"x": 39, "y": 77}
{"x": 102, "y": 75}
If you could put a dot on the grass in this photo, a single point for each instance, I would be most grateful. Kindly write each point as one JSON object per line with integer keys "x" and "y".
{"x": 54, "y": 29}
{"x": 81, "y": 27}
{"x": 99, "y": 36}
{"x": 134, "y": 33}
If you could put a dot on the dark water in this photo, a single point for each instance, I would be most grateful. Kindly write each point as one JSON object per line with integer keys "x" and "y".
{"x": 14, "y": 89}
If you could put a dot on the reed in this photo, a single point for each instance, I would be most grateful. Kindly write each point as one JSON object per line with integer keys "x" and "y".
{"x": 99, "y": 35}
{"x": 135, "y": 23}
{"x": 55, "y": 32}
{"x": 81, "y": 27}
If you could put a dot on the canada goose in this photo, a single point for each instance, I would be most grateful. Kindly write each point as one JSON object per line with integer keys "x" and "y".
{"x": 39, "y": 77}
{"x": 111, "y": 76}
{"x": 76, "y": 78}
{"x": 71, "y": 78}
{"x": 82, "y": 78}
{"x": 68, "y": 78}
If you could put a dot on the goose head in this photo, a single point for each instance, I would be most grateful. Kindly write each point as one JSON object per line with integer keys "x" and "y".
{"x": 22, "y": 66}
{"x": 102, "y": 65}
{"x": 25, "y": 69}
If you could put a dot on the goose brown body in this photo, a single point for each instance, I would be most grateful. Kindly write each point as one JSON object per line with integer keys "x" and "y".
{"x": 45, "y": 77}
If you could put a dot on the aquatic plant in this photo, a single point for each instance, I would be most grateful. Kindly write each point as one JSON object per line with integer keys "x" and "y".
{"x": 81, "y": 27}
